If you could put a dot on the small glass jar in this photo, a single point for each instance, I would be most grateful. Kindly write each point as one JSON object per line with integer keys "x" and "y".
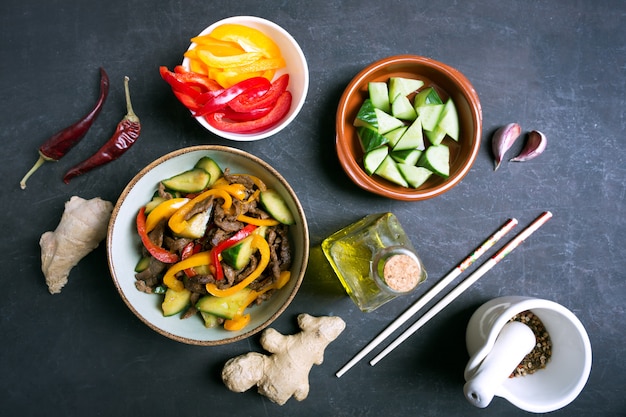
{"x": 374, "y": 260}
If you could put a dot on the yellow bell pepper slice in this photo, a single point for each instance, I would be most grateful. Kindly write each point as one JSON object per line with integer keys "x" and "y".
{"x": 212, "y": 42}
{"x": 264, "y": 249}
{"x": 228, "y": 61}
{"x": 163, "y": 211}
{"x": 198, "y": 259}
{"x": 177, "y": 221}
{"x": 248, "y": 38}
{"x": 257, "y": 222}
{"x": 260, "y": 65}
{"x": 237, "y": 191}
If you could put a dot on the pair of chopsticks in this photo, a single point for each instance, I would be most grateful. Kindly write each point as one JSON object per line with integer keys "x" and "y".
{"x": 458, "y": 290}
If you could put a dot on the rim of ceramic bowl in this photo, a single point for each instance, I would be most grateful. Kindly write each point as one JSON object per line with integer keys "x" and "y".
{"x": 294, "y": 54}
{"x": 357, "y": 173}
{"x": 114, "y": 225}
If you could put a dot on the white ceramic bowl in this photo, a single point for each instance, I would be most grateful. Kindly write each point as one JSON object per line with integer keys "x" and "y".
{"x": 123, "y": 245}
{"x": 296, "y": 66}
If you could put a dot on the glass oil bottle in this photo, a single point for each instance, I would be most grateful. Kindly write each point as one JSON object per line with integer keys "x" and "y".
{"x": 374, "y": 260}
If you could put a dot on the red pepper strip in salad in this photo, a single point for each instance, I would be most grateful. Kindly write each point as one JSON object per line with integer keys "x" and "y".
{"x": 198, "y": 259}
{"x": 257, "y": 243}
{"x": 246, "y": 103}
{"x": 220, "y": 101}
{"x": 278, "y": 112}
{"x": 231, "y": 241}
{"x": 190, "y": 248}
{"x": 158, "y": 252}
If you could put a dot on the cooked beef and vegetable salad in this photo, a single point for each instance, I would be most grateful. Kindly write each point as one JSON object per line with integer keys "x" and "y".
{"x": 213, "y": 243}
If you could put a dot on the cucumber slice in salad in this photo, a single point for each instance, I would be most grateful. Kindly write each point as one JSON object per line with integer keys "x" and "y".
{"x": 210, "y": 166}
{"x": 191, "y": 181}
{"x": 276, "y": 206}
{"x": 175, "y": 301}
{"x": 224, "y": 307}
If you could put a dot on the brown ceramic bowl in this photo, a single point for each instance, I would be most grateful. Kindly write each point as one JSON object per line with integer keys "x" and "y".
{"x": 449, "y": 83}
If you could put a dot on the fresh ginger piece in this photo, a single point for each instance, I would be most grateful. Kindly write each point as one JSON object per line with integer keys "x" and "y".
{"x": 285, "y": 373}
{"x": 81, "y": 229}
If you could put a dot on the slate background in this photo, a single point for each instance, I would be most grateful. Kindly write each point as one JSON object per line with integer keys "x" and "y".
{"x": 555, "y": 66}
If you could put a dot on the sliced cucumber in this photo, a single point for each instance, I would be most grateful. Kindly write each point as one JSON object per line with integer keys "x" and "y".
{"x": 276, "y": 206}
{"x": 175, "y": 301}
{"x": 238, "y": 256}
{"x": 388, "y": 170}
{"x": 191, "y": 181}
{"x": 370, "y": 138}
{"x": 406, "y": 156}
{"x": 415, "y": 176}
{"x": 373, "y": 159}
{"x": 449, "y": 121}
{"x": 225, "y": 307}
{"x": 366, "y": 115}
{"x": 196, "y": 225}
{"x": 435, "y": 136}
{"x": 143, "y": 264}
{"x": 210, "y": 320}
{"x": 210, "y": 166}
{"x": 400, "y": 86}
{"x": 402, "y": 109}
{"x": 379, "y": 94}
{"x": 386, "y": 122}
{"x": 395, "y": 135}
{"x": 436, "y": 158}
{"x": 427, "y": 96}
{"x": 156, "y": 200}
{"x": 413, "y": 138}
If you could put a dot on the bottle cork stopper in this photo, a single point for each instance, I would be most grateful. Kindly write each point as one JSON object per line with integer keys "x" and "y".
{"x": 401, "y": 273}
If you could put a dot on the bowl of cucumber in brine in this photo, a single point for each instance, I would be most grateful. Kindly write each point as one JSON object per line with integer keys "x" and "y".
{"x": 408, "y": 128}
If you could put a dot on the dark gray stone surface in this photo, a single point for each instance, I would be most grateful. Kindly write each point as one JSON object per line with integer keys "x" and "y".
{"x": 554, "y": 66}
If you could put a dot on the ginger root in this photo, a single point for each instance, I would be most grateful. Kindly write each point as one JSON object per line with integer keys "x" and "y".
{"x": 81, "y": 229}
{"x": 285, "y": 373}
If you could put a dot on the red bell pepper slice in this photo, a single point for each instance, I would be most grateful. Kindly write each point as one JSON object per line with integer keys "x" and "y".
{"x": 227, "y": 243}
{"x": 245, "y": 116}
{"x": 246, "y": 103}
{"x": 278, "y": 112}
{"x": 158, "y": 252}
{"x": 220, "y": 101}
{"x": 190, "y": 248}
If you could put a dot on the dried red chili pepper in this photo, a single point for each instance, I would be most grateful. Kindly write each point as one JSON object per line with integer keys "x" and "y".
{"x": 125, "y": 136}
{"x": 61, "y": 142}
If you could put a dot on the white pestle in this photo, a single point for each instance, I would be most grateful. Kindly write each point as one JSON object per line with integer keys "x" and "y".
{"x": 514, "y": 342}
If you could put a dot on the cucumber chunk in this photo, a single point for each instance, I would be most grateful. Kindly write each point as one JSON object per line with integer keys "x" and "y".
{"x": 400, "y": 86}
{"x": 238, "y": 256}
{"x": 406, "y": 156}
{"x": 394, "y": 136}
{"x": 449, "y": 120}
{"x": 175, "y": 301}
{"x": 366, "y": 115}
{"x": 402, "y": 109}
{"x": 413, "y": 138}
{"x": 427, "y": 96}
{"x": 373, "y": 159}
{"x": 415, "y": 176}
{"x": 191, "y": 181}
{"x": 370, "y": 138}
{"x": 210, "y": 320}
{"x": 435, "y": 136}
{"x": 386, "y": 122}
{"x": 379, "y": 94}
{"x": 276, "y": 206}
{"x": 196, "y": 225}
{"x": 224, "y": 307}
{"x": 436, "y": 158}
{"x": 143, "y": 264}
{"x": 430, "y": 114}
{"x": 388, "y": 170}
{"x": 156, "y": 200}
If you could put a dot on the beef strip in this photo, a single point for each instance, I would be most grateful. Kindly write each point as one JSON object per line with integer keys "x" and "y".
{"x": 150, "y": 275}
{"x": 163, "y": 193}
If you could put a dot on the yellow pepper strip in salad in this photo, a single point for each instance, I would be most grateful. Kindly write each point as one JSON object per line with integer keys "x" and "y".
{"x": 198, "y": 259}
{"x": 163, "y": 211}
{"x": 237, "y": 191}
{"x": 264, "y": 249}
{"x": 257, "y": 222}
{"x": 177, "y": 221}
{"x": 248, "y": 38}
{"x": 240, "y": 320}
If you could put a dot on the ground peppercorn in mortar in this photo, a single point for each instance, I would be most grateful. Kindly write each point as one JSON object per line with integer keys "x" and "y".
{"x": 541, "y": 353}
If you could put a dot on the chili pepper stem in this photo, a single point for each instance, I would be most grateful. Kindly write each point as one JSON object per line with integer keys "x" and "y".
{"x": 130, "y": 114}
{"x": 42, "y": 159}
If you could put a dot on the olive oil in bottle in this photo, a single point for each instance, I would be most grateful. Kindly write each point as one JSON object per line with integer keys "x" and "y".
{"x": 374, "y": 260}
